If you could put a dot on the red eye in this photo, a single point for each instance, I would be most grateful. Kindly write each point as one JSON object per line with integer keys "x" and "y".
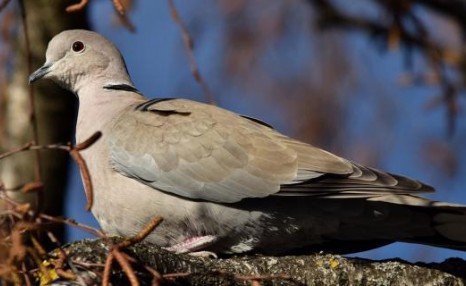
{"x": 77, "y": 46}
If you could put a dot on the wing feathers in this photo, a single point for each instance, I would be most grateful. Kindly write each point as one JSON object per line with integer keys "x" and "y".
{"x": 203, "y": 152}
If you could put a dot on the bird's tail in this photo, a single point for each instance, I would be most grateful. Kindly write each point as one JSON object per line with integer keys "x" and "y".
{"x": 436, "y": 223}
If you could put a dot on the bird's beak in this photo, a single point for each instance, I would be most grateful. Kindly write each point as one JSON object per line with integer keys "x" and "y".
{"x": 40, "y": 73}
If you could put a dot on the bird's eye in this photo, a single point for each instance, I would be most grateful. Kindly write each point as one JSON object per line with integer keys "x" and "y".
{"x": 77, "y": 46}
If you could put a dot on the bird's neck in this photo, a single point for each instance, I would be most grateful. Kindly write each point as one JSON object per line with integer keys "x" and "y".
{"x": 99, "y": 106}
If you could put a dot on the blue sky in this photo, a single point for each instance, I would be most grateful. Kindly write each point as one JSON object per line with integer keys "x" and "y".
{"x": 158, "y": 65}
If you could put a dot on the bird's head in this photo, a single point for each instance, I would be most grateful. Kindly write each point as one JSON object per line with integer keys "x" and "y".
{"x": 76, "y": 57}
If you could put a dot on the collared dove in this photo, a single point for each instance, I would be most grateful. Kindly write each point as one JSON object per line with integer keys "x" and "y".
{"x": 225, "y": 183}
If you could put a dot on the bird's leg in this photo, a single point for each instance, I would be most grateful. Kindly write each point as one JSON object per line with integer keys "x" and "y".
{"x": 192, "y": 244}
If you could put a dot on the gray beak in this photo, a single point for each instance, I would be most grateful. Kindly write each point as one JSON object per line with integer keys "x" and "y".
{"x": 40, "y": 73}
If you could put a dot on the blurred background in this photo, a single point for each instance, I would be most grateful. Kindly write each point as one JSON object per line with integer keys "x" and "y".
{"x": 377, "y": 82}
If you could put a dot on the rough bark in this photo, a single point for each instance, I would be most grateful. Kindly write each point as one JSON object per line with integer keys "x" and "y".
{"x": 315, "y": 269}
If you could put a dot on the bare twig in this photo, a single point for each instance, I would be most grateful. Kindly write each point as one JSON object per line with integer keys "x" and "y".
{"x": 176, "y": 275}
{"x": 77, "y": 7}
{"x": 32, "y": 187}
{"x": 107, "y": 269}
{"x": 83, "y": 3}
{"x": 124, "y": 260}
{"x": 38, "y": 261}
{"x": 74, "y": 153}
{"x": 115, "y": 253}
{"x": 25, "y": 220}
{"x": 408, "y": 29}
{"x": 141, "y": 234}
{"x": 38, "y": 247}
{"x": 126, "y": 266}
{"x": 28, "y": 221}
{"x": 3, "y": 4}
{"x": 60, "y": 264}
{"x": 188, "y": 43}
{"x": 85, "y": 176}
{"x": 119, "y": 6}
{"x": 26, "y": 277}
{"x": 31, "y": 146}
{"x": 157, "y": 277}
{"x": 32, "y": 113}
{"x": 18, "y": 250}
{"x": 88, "y": 264}
{"x": 25, "y": 147}
{"x": 50, "y": 218}
{"x": 88, "y": 142}
{"x": 72, "y": 222}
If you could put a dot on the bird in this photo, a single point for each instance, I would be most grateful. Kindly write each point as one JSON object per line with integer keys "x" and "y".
{"x": 225, "y": 183}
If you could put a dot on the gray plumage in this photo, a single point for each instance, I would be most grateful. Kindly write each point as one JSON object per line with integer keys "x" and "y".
{"x": 226, "y": 183}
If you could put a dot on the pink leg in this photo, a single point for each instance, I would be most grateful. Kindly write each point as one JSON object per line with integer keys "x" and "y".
{"x": 192, "y": 244}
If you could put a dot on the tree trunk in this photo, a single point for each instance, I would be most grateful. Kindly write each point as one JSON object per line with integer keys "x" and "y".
{"x": 55, "y": 110}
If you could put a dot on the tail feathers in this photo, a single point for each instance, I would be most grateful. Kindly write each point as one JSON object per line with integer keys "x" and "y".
{"x": 429, "y": 222}
{"x": 448, "y": 225}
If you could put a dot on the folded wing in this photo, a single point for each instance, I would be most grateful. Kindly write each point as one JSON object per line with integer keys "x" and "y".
{"x": 203, "y": 152}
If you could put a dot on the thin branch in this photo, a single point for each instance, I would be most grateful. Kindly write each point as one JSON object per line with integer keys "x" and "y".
{"x": 399, "y": 31}
{"x": 3, "y": 4}
{"x": 32, "y": 113}
{"x": 188, "y": 43}
{"x": 88, "y": 142}
{"x": 126, "y": 266}
{"x": 142, "y": 234}
{"x": 107, "y": 269}
{"x": 117, "y": 4}
{"x": 88, "y": 190}
{"x": 119, "y": 7}
{"x": 83, "y": 3}
{"x": 27, "y": 280}
{"x": 455, "y": 9}
{"x": 123, "y": 260}
{"x": 25, "y": 147}
{"x": 60, "y": 264}
{"x": 77, "y": 7}
{"x": 157, "y": 277}
{"x": 72, "y": 222}
{"x": 74, "y": 153}
{"x": 50, "y": 218}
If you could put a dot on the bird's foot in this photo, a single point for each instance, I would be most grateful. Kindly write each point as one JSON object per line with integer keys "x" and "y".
{"x": 204, "y": 254}
{"x": 192, "y": 244}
